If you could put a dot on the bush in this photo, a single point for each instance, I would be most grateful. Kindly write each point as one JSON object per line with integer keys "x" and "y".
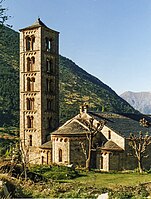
{"x": 129, "y": 192}
{"x": 55, "y": 172}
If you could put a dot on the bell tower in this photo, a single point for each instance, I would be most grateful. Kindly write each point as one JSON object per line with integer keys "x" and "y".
{"x": 39, "y": 85}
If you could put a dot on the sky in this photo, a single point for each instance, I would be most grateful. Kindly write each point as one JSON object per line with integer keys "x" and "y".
{"x": 110, "y": 39}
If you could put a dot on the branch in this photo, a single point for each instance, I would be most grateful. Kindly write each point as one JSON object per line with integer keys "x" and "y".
{"x": 84, "y": 149}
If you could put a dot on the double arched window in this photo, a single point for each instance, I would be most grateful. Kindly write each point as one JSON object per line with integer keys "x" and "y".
{"x": 49, "y": 105}
{"x": 30, "y": 121}
{"x": 30, "y": 64}
{"x": 30, "y": 103}
{"x": 30, "y": 84}
{"x": 30, "y": 42}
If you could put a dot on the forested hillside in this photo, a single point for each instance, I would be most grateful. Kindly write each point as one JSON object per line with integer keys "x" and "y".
{"x": 76, "y": 85}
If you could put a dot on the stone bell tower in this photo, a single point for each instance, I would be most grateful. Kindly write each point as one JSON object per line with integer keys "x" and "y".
{"x": 39, "y": 85}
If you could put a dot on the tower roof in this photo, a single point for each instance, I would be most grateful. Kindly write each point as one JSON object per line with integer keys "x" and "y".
{"x": 36, "y": 24}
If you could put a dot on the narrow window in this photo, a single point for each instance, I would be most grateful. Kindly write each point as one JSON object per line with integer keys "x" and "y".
{"x": 109, "y": 135}
{"x": 60, "y": 155}
{"x": 28, "y": 84}
{"x": 49, "y": 120}
{"x": 47, "y": 85}
{"x": 28, "y": 104}
{"x": 42, "y": 159}
{"x": 28, "y": 122}
{"x": 32, "y": 83}
{"x": 33, "y": 43}
{"x": 32, "y": 65}
{"x": 48, "y": 157}
{"x": 32, "y": 121}
{"x": 51, "y": 85}
{"x": 48, "y": 43}
{"x": 49, "y": 105}
{"x": 49, "y": 66}
{"x": 32, "y": 103}
{"x": 28, "y": 64}
{"x": 101, "y": 162}
{"x": 30, "y": 140}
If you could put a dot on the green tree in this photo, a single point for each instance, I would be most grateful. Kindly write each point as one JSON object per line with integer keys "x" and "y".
{"x": 3, "y": 16}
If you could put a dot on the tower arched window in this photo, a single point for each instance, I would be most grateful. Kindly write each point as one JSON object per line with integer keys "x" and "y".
{"x": 32, "y": 64}
{"x": 49, "y": 66}
{"x": 49, "y": 105}
{"x": 49, "y": 121}
{"x": 32, "y": 103}
{"x": 32, "y": 82}
{"x": 28, "y": 104}
{"x": 32, "y": 42}
{"x": 30, "y": 121}
{"x": 48, "y": 44}
{"x": 28, "y": 84}
{"x": 60, "y": 155}
{"x": 28, "y": 43}
{"x": 47, "y": 85}
{"x": 28, "y": 63}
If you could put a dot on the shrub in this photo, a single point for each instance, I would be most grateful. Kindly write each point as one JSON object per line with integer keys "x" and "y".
{"x": 55, "y": 172}
{"x": 129, "y": 192}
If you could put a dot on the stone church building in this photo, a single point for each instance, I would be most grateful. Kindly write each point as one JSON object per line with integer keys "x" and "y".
{"x": 39, "y": 113}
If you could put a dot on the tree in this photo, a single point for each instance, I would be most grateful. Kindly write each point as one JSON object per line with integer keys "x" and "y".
{"x": 139, "y": 144}
{"x": 94, "y": 127}
{"x": 3, "y": 16}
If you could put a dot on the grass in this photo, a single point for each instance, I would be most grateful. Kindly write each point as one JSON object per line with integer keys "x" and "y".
{"x": 112, "y": 180}
{"x": 88, "y": 185}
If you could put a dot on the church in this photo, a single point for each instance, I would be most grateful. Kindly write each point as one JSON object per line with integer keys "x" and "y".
{"x": 42, "y": 140}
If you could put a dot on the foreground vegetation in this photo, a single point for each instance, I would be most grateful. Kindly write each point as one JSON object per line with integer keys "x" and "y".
{"x": 63, "y": 182}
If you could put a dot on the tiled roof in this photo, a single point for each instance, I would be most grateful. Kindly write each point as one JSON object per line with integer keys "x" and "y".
{"x": 46, "y": 145}
{"x": 111, "y": 146}
{"x": 72, "y": 128}
{"x": 124, "y": 124}
{"x": 36, "y": 24}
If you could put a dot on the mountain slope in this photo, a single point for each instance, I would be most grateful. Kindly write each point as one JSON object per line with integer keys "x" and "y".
{"x": 76, "y": 86}
{"x": 141, "y": 101}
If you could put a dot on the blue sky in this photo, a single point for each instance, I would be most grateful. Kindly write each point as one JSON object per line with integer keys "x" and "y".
{"x": 111, "y": 39}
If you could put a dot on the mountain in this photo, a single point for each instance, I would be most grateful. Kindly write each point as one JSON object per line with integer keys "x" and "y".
{"x": 76, "y": 85}
{"x": 141, "y": 101}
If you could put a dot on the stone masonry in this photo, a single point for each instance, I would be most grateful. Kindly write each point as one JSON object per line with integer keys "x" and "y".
{"x": 39, "y": 87}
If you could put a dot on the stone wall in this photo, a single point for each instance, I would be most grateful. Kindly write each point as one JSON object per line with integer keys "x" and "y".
{"x": 118, "y": 139}
{"x": 42, "y": 121}
{"x": 72, "y": 151}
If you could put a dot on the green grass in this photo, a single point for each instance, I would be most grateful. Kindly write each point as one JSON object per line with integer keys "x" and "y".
{"x": 112, "y": 180}
{"x": 90, "y": 185}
